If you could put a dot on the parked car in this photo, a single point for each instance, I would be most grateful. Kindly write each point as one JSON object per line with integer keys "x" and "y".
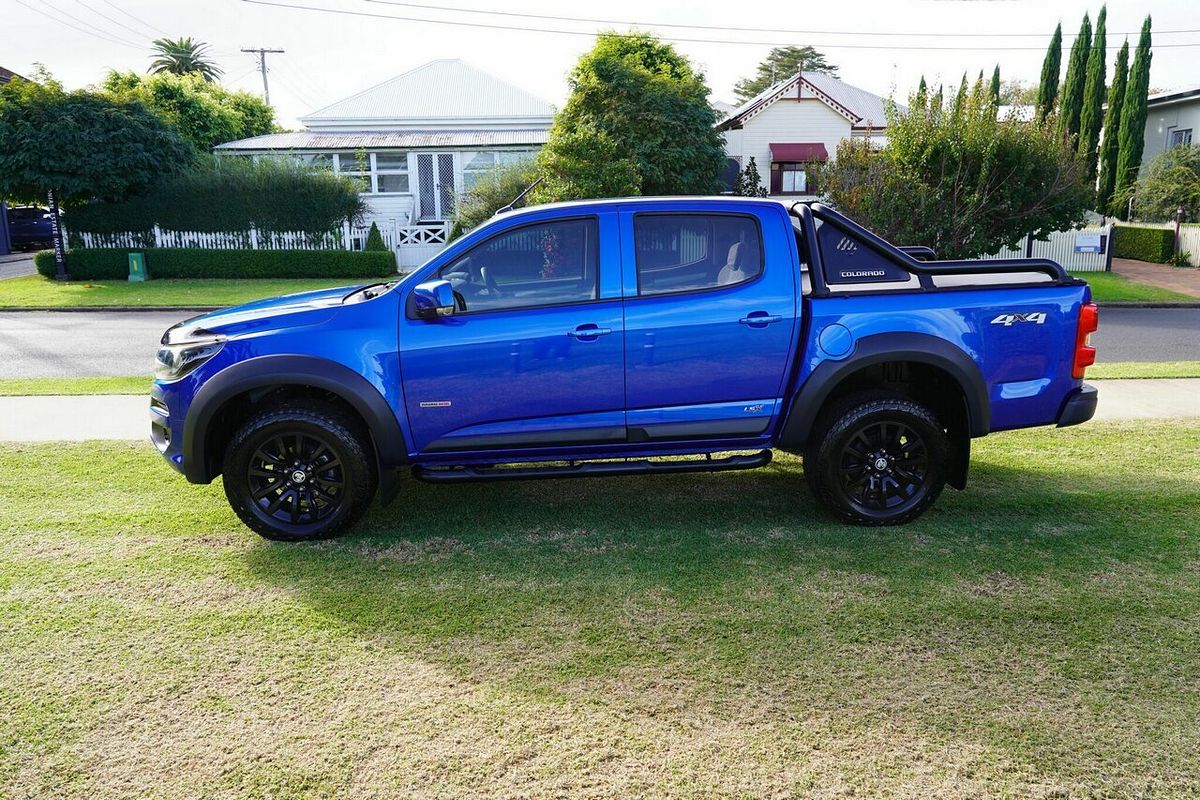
{"x": 29, "y": 227}
{"x": 601, "y": 338}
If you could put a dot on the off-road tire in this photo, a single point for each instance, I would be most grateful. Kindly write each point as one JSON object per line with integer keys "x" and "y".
{"x": 883, "y": 427}
{"x": 329, "y": 447}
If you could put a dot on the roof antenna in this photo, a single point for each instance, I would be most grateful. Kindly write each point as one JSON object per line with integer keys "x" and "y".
{"x": 519, "y": 197}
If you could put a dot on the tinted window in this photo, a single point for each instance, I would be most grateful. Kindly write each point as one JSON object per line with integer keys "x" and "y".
{"x": 546, "y": 264}
{"x": 685, "y": 252}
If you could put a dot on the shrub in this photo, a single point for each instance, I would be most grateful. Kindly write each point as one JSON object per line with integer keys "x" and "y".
{"x": 375, "y": 242}
{"x": 1143, "y": 244}
{"x": 95, "y": 264}
{"x": 491, "y": 192}
{"x": 232, "y": 194}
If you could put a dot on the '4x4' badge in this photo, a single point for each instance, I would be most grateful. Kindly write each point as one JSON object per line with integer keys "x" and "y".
{"x": 1036, "y": 317}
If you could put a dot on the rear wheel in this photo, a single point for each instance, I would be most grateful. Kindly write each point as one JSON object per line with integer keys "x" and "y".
{"x": 878, "y": 460}
{"x": 299, "y": 472}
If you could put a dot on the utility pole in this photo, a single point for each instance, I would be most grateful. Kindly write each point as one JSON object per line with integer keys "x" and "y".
{"x": 262, "y": 66}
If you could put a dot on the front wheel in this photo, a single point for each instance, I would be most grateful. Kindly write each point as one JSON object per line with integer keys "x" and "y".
{"x": 299, "y": 472}
{"x": 878, "y": 461}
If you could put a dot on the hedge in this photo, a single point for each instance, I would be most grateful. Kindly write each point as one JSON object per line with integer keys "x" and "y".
{"x": 96, "y": 264}
{"x": 1144, "y": 244}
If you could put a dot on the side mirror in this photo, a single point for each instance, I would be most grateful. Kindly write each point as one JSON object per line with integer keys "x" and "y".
{"x": 433, "y": 299}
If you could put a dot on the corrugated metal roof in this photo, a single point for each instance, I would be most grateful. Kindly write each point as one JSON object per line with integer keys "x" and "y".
{"x": 443, "y": 89}
{"x": 868, "y": 108}
{"x": 309, "y": 140}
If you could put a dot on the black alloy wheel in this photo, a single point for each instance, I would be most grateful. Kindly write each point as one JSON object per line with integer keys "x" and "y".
{"x": 300, "y": 471}
{"x": 877, "y": 459}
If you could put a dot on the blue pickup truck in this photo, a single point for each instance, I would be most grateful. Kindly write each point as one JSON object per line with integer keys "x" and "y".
{"x": 628, "y": 336}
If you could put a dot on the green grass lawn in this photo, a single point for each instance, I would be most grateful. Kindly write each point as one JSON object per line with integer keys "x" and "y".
{"x": 34, "y": 290}
{"x": 1145, "y": 369}
{"x": 28, "y": 387}
{"x": 1109, "y": 287}
{"x": 682, "y": 636}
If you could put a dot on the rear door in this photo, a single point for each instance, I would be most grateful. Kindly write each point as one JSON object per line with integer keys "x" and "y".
{"x": 534, "y": 357}
{"x": 711, "y": 319}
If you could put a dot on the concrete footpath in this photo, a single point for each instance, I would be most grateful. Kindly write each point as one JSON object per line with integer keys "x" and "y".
{"x": 71, "y": 419}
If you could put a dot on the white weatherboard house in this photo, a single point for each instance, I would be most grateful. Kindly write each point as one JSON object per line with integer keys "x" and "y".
{"x": 796, "y": 121}
{"x": 414, "y": 142}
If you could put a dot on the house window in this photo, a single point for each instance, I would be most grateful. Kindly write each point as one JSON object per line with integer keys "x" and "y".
{"x": 377, "y": 173}
{"x": 476, "y": 165}
{"x": 792, "y": 177}
{"x": 1181, "y": 137}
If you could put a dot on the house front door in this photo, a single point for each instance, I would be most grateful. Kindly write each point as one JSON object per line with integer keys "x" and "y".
{"x": 435, "y": 186}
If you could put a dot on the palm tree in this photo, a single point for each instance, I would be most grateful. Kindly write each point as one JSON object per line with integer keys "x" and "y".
{"x": 182, "y": 56}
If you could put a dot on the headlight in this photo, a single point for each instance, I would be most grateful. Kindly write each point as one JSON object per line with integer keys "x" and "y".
{"x": 178, "y": 359}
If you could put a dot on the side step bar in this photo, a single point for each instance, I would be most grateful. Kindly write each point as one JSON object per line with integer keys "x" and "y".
{"x": 588, "y": 469}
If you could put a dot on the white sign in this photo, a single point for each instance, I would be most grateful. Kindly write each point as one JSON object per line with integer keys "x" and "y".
{"x": 1087, "y": 242}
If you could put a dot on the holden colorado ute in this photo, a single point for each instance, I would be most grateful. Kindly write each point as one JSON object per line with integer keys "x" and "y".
{"x": 628, "y": 336}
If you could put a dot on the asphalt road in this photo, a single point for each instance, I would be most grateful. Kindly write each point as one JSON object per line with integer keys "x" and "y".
{"x": 16, "y": 265}
{"x": 53, "y": 344}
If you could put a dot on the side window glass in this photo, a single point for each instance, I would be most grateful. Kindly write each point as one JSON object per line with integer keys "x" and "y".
{"x": 548, "y": 263}
{"x": 687, "y": 252}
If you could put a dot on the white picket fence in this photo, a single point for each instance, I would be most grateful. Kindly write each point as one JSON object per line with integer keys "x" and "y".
{"x": 412, "y": 244}
{"x": 1061, "y": 248}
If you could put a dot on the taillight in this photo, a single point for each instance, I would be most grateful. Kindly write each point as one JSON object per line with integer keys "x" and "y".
{"x": 1085, "y": 354}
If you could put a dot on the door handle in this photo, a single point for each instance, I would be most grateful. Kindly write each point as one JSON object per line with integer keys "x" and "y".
{"x": 759, "y": 318}
{"x": 589, "y": 332}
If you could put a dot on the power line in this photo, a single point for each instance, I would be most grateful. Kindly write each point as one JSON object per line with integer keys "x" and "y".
{"x": 138, "y": 20}
{"x": 692, "y": 26}
{"x": 492, "y": 26}
{"x": 90, "y": 25}
{"x": 262, "y": 65}
{"x": 95, "y": 32}
{"x": 110, "y": 19}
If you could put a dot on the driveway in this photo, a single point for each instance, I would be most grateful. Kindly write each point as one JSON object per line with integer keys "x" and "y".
{"x": 1148, "y": 334}
{"x": 74, "y": 344}
{"x": 1164, "y": 276}
{"x": 16, "y": 264}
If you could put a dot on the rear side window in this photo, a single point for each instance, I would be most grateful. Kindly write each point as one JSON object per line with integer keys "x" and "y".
{"x": 690, "y": 252}
{"x": 549, "y": 263}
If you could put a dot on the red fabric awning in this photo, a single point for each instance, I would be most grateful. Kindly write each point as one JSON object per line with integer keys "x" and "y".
{"x": 799, "y": 151}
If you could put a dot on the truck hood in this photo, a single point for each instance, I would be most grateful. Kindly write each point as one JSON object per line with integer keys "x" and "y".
{"x": 292, "y": 310}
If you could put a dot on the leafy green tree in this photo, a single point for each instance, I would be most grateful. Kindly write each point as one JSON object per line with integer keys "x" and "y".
{"x": 1133, "y": 117}
{"x": 781, "y": 63}
{"x": 204, "y": 113}
{"x": 938, "y": 99}
{"x": 1171, "y": 181}
{"x": 1018, "y": 93}
{"x": 68, "y": 148}
{"x": 1112, "y": 130}
{"x": 637, "y": 122}
{"x": 1072, "y": 89}
{"x": 183, "y": 56}
{"x": 1048, "y": 87}
{"x": 749, "y": 182}
{"x": 963, "y": 186}
{"x": 1091, "y": 116}
{"x": 960, "y": 98}
{"x": 491, "y": 192}
{"x": 994, "y": 86}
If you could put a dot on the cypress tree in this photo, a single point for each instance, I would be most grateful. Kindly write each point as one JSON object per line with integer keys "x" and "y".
{"x": 1133, "y": 116}
{"x": 1072, "y": 89}
{"x": 994, "y": 88}
{"x": 922, "y": 98}
{"x": 1048, "y": 88}
{"x": 960, "y": 99}
{"x": 1091, "y": 116}
{"x": 1112, "y": 128}
{"x": 938, "y": 98}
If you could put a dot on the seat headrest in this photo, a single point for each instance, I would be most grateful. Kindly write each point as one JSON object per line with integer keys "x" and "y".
{"x": 735, "y": 250}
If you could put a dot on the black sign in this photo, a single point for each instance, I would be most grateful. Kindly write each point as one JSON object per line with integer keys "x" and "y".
{"x": 847, "y": 260}
{"x": 60, "y": 247}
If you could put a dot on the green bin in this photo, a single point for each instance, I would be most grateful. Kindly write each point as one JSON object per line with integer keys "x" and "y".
{"x": 137, "y": 267}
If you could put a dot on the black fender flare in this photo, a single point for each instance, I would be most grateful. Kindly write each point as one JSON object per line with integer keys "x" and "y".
{"x": 921, "y": 348}
{"x": 293, "y": 370}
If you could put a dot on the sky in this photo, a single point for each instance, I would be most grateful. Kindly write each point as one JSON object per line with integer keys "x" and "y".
{"x": 883, "y": 47}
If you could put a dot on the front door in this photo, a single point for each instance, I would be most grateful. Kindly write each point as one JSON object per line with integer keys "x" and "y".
{"x": 711, "y": 319}
{"x": 532, "y": 358}
{"x": 435, "y": 186}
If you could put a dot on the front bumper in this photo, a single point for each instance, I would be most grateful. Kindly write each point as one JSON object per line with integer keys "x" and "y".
{"x": 163, "y": 433}
{"x": 1080, "y": 406}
